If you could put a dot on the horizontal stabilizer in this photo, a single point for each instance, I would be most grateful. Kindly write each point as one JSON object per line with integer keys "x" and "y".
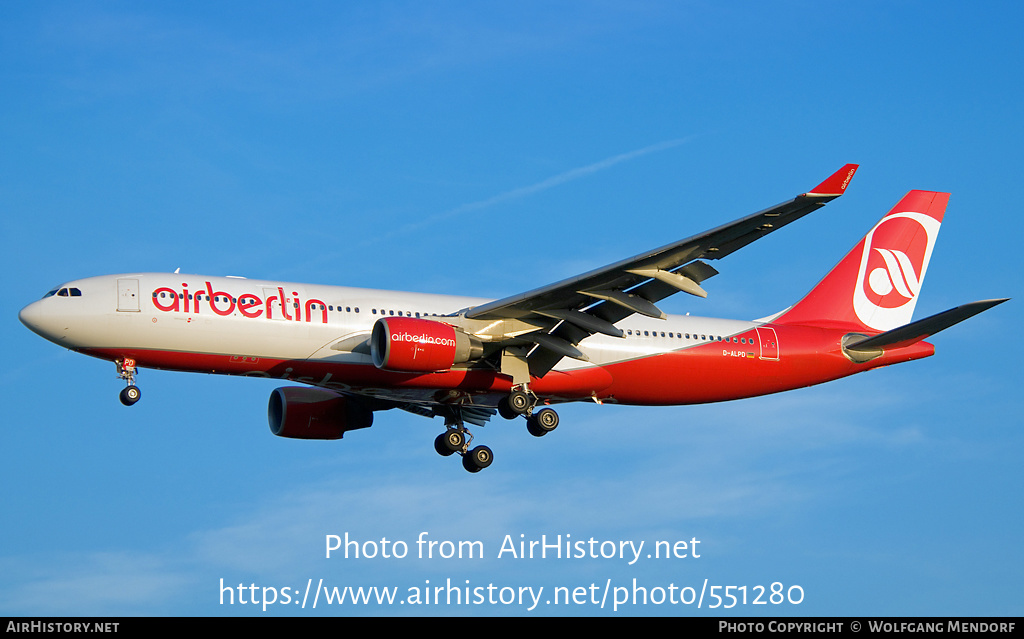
{"x": 916, "y": 331}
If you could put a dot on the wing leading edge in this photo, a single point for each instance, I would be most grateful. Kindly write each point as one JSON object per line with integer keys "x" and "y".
{"x": 592, "y": 302}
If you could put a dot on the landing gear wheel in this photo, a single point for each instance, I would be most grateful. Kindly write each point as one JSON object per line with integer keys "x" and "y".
{"x": 441, "y": 447}
{"x": 477, "y": 459}
{"x": 130, "y": 395}
{"x": 505, "y": 410}
{"x": 451, "y": 441}
{"x": 542, "y": 422}
{"x": 519, "y": 402}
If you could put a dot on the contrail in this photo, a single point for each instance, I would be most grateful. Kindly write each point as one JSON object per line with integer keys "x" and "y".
{"x": 543, "y": 185}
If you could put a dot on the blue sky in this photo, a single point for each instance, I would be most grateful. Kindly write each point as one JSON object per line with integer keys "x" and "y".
{"x": 487, "y": 149}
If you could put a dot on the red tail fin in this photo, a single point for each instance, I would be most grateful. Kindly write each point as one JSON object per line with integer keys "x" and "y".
{"x": 875, "y": 287}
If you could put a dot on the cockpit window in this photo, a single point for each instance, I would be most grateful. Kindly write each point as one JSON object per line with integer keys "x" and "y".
{"x": 64, "y": 292}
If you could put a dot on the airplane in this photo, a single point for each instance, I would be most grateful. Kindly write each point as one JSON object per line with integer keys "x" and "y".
{"x": 597, "y": 337}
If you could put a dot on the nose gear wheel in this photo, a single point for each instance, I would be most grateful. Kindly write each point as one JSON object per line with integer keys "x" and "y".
{"x": 126, "y": 371}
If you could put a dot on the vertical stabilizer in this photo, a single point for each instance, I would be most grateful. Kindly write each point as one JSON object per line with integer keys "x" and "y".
{"x": 875, "y": 287}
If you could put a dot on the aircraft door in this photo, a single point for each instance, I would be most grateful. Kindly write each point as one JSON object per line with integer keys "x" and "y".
{"x": 769, "y": 342}
{"x": 128, "y": 295}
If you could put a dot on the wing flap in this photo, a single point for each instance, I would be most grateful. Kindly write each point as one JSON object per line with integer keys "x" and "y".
{"x": 476, "y": 415}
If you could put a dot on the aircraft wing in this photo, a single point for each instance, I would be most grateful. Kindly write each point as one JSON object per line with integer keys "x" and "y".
{"x": 592, "y": 302}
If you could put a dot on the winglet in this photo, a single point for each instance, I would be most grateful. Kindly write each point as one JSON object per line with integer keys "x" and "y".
{"x": 835, "y": 185}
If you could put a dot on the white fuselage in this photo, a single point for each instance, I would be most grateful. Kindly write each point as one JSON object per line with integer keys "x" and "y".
{"x": 173, "y": 312}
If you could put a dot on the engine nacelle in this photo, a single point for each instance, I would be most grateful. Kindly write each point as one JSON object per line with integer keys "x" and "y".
{"x": 300, "y": 412}
{"x": 415, "y": 345}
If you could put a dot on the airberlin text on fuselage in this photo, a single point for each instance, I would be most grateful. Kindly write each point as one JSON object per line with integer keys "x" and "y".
{"x": 248, "y": 304}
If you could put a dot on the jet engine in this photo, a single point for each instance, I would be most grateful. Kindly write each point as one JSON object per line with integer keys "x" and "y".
{"x": 300, "y": 412}
{"x": 415, "y": 345}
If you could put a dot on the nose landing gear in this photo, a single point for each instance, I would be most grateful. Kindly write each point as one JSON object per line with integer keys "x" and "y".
{"x": 126, "y": 371}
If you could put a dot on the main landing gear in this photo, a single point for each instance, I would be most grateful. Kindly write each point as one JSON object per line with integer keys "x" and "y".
{"x": 522, "y": 401}
{"x": 126, "y": 371}
{"x": 455, "y": 440}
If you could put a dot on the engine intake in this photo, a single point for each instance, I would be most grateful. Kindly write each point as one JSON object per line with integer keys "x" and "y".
{"x": 300, "y": 412}
{"x": 415, "y": 345}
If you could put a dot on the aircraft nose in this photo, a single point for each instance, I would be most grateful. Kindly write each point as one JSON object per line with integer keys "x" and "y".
{"x": 29, "y": 315}
{"x": 42, "y": 322}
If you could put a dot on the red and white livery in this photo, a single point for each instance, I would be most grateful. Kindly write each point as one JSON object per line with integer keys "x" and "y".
{"x": 596, "y": 337}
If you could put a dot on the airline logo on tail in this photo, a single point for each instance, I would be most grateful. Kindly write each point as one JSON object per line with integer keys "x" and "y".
{"x": 876, "y": 285}
{"x": 892, "y": 266}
